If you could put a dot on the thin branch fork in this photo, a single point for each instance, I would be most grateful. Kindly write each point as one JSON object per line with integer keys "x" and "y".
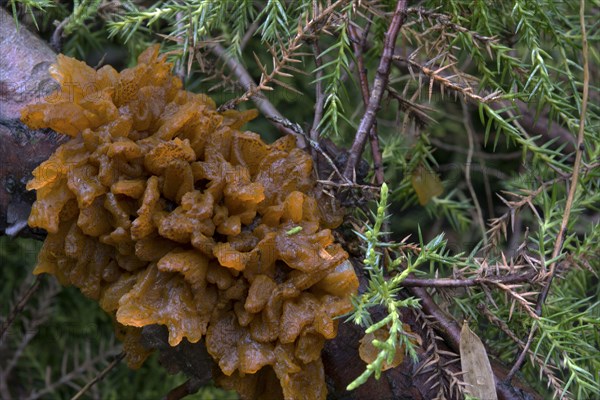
{"x": 290, "y": 47}
{"x": 99, "y": 377}
{"x": 445, "y": 81}
{"x": 379, "y": 85}
{"x": 359, "y": 45}
{"x": 446, "y": 20}
{"x": 449, "y": 330}
{"x": 456, "y": 283}
{"x": 253, "y": 90}
{"x": 19, "y": 306}
{"x": 244, "y": 78}
{"x": 320, "y": 96}
{"x": 546, "y": 365}
{"x": 560, "y": 237}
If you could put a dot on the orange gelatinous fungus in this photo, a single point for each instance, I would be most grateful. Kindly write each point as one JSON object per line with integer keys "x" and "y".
{"x": 163, "y": 211}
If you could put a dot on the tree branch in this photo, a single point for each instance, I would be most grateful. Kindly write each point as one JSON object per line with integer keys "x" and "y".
{"x": 16, "y": 310}
{"x": 379, "y": 85}
{"x": 99, "y": 377}
{"x": 319, "y": 95}
{"x": 244, "y": 78}
{"x": 456, "y": 283}
{"x": 560, "y": 237}
{"x": 288, "y": 50}
{"x": 359, "y": 44}
{"x": 449, "y": 330}
{"x": 21, "y": 150}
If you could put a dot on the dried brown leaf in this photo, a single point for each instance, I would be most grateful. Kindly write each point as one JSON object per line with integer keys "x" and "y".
{"x": 474, "y": 362}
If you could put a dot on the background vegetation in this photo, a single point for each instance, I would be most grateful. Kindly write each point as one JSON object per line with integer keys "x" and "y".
{"x": 486, "y": 135}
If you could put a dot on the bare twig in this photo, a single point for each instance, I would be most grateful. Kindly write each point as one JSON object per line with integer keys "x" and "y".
{"x": 253, "y": 91}
{"x": 525, "y": 304}
{"x": 374, "y": 189}
{"x": 98, "y": 377}
{"x": 446, "y": 82}
{"x": 455, "y": 283}
{"x": 546, "y": 365}
{"x": 379, "y": 85}
{"x": 521, "y": 357}
{"x": 287, "y": 53}
{"x": 319, "y": 96}
{"x": 449, "y": 329}
{"x": 364, "y": 88}
{"x": 481, "y": 307}
{"x": 37, "y": 316}
{"x": 470, "y": 135}
{"x": 249, "y": 33}
{"x": 79, "y": 369}
{"x": 56, "y": 39}
{"x": 498, "y": 225}
{"x": 19, "y": 306}
{"x": 244, "y": 78}
{"x": 446, "y": 20}
{"x": 560, "y": 237}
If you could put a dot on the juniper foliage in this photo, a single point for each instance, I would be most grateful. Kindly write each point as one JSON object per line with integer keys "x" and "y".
{"x": 497, "y": 99}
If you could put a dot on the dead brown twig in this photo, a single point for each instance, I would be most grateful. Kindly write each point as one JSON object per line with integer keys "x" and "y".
{"x": 319, "y": 94}
{"x": 560, "y": 237}
{"x": 244, "y": 78}
{"x": 359, "y": 44}
{"x": 288, "y": 55}
{"x": 436, "y": 76}
{"x": 99, "y": 377}
{"x": 379, "y": 86}
{"x": 16, "y": 310}
{"x": 455, "y": 283}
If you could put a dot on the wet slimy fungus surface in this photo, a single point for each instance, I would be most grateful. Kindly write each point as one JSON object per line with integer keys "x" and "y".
{"x": 165, "y": 212}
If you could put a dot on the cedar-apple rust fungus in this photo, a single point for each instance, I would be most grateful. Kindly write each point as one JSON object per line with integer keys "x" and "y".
{"x": 163, "y": 211}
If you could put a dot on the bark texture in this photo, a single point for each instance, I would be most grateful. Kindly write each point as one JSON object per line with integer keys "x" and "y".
{"x": 24, "y": 77}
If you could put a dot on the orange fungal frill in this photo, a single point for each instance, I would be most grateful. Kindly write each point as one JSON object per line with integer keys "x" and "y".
{"x": 163, "y": 211}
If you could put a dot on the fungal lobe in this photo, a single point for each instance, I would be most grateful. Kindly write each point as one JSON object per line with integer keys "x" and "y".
{"x": 161, "y": 209}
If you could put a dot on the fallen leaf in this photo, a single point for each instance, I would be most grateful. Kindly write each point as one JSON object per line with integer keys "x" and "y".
{"x": 475, "y": 365}
{"x": 426, "y": 184}
{"x": 368, "y": 353}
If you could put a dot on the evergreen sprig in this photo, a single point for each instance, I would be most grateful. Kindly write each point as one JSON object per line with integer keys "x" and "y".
{"x": 30, "y": 7}
{"x": 335, "y": 66}
{"x": 512, "y": 61}
{"x": 386, "y": 272}
{"x": 340, "y": 54}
